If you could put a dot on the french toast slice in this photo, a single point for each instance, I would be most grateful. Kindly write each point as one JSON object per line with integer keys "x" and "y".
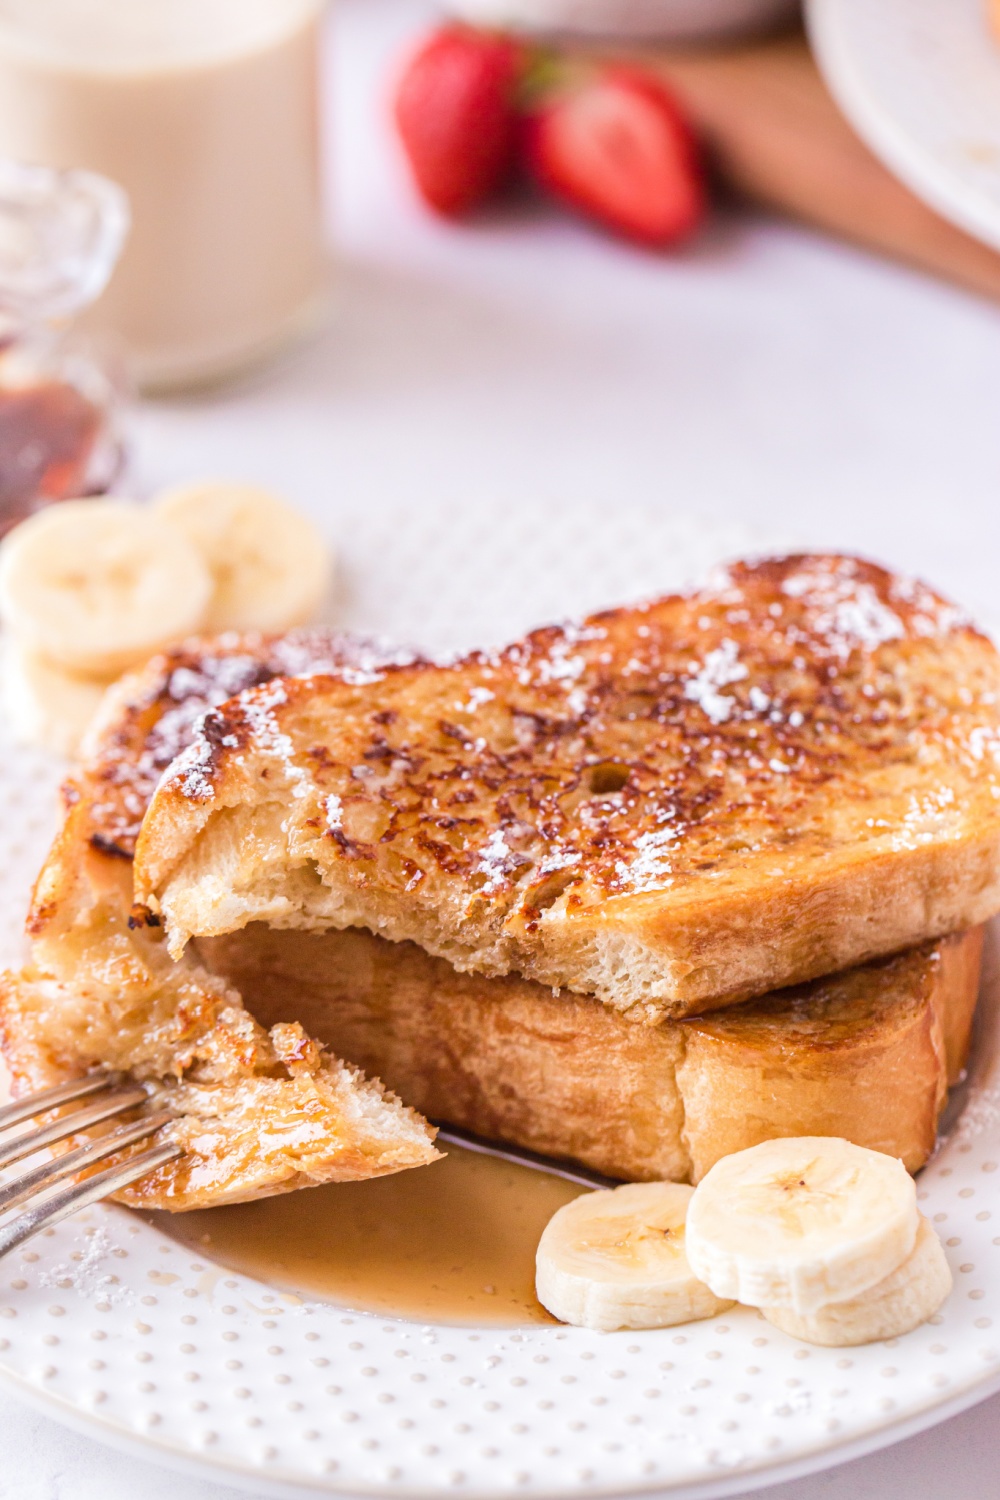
{"x": 257, "y": 1111}
{"x": 504, "y": 1057}
{"x": 673, "y": 807}
{"x": 867, "y": 1054}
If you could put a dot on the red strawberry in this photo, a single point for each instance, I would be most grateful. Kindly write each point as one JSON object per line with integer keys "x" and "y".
{"x": 618, "y": 147}
{"x": 455, "y": 111}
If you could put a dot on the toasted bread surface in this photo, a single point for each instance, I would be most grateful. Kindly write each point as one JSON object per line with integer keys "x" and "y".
{"x": 867, "y": 1055}
{"x": 257, "y": 1112}
{"x": 673, "y": 807}
{"x": 559, "y": 1073}
{"x": 149, "y": 716}
{"x": 864, "y": 1054}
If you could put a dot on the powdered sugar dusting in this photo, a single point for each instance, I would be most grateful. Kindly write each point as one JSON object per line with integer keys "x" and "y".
{"x": 495, "y": 860}
{"x": 558, "y": 666}
{"x": 924, "y": 817}
{"x": 257, "y": 708}
{"x": 862, "y": 620}
{"x": 477, "y": 697}
{"x": 87, "y": 1274}
{"x": 651, "y": 867}
{"x": 192, "y": 770}
{"x": 930, "y": 615}
{"x": 219, "y": 678}
{"x": 849, "y": 613}
{"x": 722, "y": 667}
{"x": 984, "y": 741}
{"x": 194, "y": 680}
{"x": 561, "y": 663}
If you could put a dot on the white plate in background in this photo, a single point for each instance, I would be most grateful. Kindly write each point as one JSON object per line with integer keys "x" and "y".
{"x": 120, "y": 1331}
{"x": 920, "y": 82}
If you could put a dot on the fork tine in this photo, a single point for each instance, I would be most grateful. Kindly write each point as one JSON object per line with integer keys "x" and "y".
{"x": 71, "y": 1124}
{"x": 23, "y": 1225}
{"x": 50, "y": 1172}
{"x": 61, "y": 1093}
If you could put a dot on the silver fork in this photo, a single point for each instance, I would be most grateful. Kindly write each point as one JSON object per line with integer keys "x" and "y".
{"x": 113, "y": 1098}
{"x": 520, "y": 1156}
{"x": 30, "y": 1190}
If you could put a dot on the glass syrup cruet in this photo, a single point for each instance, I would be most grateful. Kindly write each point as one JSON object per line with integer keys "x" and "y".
{"x": 61, "y": 234}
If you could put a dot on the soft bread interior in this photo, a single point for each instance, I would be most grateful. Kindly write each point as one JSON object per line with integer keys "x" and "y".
{"x": 257, "y": 1110}
{"x": 867, "y": 1054}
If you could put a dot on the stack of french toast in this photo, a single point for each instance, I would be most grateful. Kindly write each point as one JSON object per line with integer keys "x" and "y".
{"x": 639, "y": 892}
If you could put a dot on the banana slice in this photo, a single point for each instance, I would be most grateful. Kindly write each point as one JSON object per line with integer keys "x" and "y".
{"x": 269, "y": 565}
{"x": 46, "y": 706}
{"x": 800, "y": 1223}
{"x": 615, "y": 1259}
{"x": 96, "y": 585}
{"x": 906, "y": 1298}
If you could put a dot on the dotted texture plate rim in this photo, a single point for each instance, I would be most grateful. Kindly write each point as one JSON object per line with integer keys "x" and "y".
{"x": 121, "y": 1332}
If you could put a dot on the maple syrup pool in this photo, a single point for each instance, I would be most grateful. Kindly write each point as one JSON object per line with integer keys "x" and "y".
{"x": 452, "y": 1242}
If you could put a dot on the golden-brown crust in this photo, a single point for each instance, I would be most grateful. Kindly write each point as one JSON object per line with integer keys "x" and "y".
{"x": 150, "y": 715}
{"x": 147, "y": 719}
{"x": 861, "y": 1055}
{"x": 674, "y": 807}
{"x": 257, "y": 1112}
{"x": 868, "y": 1047}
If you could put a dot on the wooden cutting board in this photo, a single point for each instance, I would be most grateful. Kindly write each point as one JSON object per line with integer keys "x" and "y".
{"x": 777, "y": 137}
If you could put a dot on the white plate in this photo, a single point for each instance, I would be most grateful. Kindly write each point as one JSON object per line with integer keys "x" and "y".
{"x": 116, "y": 1328}
{"x": 920, "y": 82}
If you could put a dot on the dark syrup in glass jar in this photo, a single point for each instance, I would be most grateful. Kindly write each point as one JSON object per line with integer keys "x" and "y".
{"x": 48, "y": 434}
{"x": 60, "y": 236}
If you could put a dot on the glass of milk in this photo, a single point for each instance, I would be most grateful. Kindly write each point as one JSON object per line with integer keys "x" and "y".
{"x": 205, "y": 112}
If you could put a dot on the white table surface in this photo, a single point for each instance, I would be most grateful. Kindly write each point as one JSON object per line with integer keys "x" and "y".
{"x": 764, "y": 375}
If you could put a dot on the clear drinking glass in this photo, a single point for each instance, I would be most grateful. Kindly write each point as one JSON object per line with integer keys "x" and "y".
{"x": 205, "y": 111}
